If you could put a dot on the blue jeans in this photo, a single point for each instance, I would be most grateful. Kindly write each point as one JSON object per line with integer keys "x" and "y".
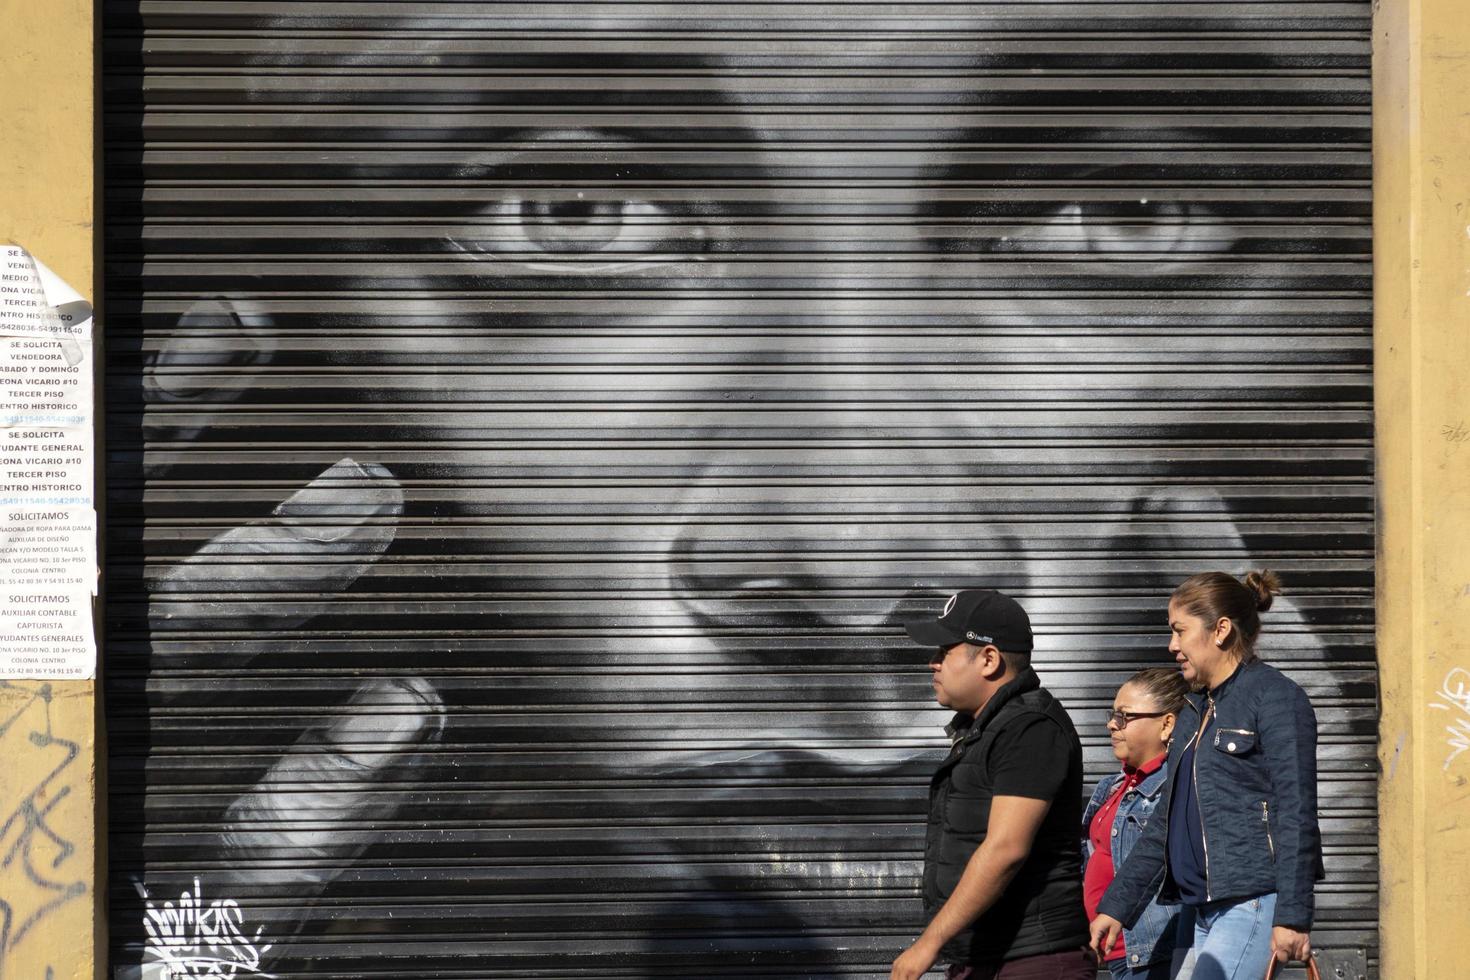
{"x": 1120, "y": 970}
{"x": 1232, "y": 939}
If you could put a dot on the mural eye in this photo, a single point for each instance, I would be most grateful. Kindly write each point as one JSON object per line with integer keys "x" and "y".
{"x": 1137, "y": 226}
{"x": 1122, "y": 227}
{"x": 1113, "y": 222}
{"x": 580, "y": 202}
{"x": 576, "y": 225}
{"x": 579, "y": 233}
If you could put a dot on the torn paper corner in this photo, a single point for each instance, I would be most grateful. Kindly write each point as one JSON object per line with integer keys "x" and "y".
{"x": 34, "y": 301}
{"x": 57, "y": 291}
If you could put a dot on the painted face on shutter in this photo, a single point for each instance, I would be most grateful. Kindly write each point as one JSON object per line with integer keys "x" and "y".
{"x": 681, "y": 337}
{"x": 628, "y": 387}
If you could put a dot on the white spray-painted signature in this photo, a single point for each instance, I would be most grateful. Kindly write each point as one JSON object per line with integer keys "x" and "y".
{"x": 191, "y": 939}
{"x": 1454, "y": 696}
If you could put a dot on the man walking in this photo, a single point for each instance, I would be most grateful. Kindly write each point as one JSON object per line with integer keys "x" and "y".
{"x": 1002, "y": 874}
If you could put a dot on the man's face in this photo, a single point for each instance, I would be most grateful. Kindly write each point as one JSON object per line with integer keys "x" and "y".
{"x": 960, "y": 677}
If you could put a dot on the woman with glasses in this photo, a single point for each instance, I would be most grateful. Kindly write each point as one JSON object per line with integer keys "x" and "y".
{"x": 1141, "y": 722}
{"x": 1236, "y": 840}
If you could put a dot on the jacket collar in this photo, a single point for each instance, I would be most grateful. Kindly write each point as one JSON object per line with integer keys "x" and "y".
{"x": 1221, "y": 690}
{"x": 963, "y": 726}
{"x": 1151, "y": 784}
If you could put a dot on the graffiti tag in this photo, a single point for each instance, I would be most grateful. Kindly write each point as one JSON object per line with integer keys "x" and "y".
{"x": 193, "y": 938}
{"x": 35, "y": 876}
{"x": 1454, "y": 696}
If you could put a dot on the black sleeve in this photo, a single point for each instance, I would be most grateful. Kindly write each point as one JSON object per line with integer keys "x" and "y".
{"x": 1030, "y": 759}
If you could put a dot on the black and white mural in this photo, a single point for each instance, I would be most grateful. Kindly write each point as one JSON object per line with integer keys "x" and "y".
{"x": 529, "y": 423}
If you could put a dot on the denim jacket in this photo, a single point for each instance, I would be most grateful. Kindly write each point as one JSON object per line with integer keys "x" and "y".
{"x": 1153, "y": 937}
{"x": 1256, "y": 778}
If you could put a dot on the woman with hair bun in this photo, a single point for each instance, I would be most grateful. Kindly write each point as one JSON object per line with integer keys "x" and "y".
{"x": 1234, "y": 838}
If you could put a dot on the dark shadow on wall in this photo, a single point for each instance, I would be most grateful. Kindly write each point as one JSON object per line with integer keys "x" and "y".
{"x": 124, "y": 663}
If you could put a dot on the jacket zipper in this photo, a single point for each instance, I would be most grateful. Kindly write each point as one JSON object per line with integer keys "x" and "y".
{"x": 1199, "y": 738}
{"x": 1219, "y": 732}
{"x": 1266, "y": 819}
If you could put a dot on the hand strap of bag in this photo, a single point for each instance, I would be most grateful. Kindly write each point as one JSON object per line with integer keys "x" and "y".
{"x": 1312, "y": 973}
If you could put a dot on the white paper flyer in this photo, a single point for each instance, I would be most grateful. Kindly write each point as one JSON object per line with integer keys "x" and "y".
{"x": 48, "y": 533}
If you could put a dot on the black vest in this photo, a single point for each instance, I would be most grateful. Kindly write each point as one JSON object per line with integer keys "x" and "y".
{"x": 1041, "y": 910}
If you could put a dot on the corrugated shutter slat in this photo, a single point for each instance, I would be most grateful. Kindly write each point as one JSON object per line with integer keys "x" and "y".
{"x": 529, "y": 425}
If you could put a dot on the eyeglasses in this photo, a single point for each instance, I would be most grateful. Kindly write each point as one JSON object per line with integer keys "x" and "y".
{"x": 1122, "y": 718}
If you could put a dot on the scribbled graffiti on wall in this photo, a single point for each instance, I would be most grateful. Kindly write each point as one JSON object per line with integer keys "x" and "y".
{"x": 199, "y": 937}
{"x": 1453, "y": 697}
{"x": 41, "y": 870}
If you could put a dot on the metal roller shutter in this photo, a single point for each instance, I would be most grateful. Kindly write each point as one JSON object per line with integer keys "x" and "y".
{"x": 529, "y": 424}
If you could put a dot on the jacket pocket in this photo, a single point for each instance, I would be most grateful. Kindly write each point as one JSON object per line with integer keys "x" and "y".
{"x": 1138, "y": 820}
{"x": 967, "y": 815}
{"x": 1235, "y": 741}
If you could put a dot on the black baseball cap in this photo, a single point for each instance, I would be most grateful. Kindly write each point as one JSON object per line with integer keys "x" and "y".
{"x": 978, "y": 616}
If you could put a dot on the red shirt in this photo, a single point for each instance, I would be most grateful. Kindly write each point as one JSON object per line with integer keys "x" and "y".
{"x": 1099, "y": 873}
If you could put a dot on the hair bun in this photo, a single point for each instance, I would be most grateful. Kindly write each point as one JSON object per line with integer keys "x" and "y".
{"x": 1264, "y": 585}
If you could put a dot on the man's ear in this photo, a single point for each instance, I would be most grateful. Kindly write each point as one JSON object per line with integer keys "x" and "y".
{"x": 993, "y": 664}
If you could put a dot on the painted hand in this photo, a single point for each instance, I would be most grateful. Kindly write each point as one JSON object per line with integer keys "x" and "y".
{"x": 320, "y": 803}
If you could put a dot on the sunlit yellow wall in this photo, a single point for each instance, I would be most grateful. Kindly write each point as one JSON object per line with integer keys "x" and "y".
{"x": 47, "y": 757}
{"x": 46, "y": 153}
{"x": 1422, "y": 283}
{"x": 1422, "y": 384}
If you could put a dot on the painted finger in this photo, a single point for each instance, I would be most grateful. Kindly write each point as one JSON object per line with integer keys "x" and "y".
{"x": 316, "y": 807}
{"x": 321, "y": 539}
{"x": 202, "y": 364}
{"x": 298, "y": 828}
{"x": 213, "y": 337}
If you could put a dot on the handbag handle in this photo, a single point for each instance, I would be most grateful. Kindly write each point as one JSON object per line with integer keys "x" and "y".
{"x": 1312, "y": 972}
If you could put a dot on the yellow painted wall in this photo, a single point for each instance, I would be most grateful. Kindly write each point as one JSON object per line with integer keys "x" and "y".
{"x": 1422, "y": 384}
{"x": 47, "y": 884}
{"x": 48, "y": 879}
{"x": 46, "y": 156}
{"x": 1422, "y": 340}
